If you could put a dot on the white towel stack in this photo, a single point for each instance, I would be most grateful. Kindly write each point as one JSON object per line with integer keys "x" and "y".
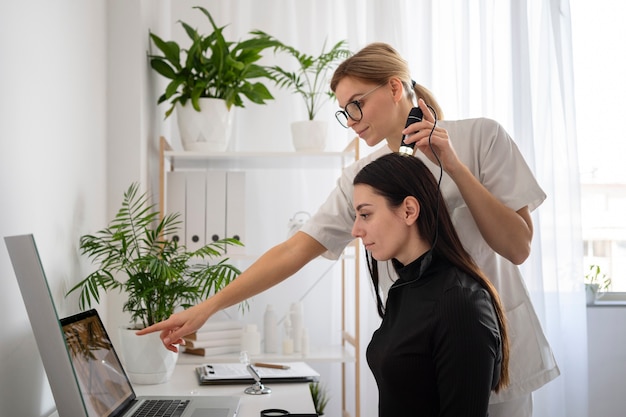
{"x": 215, "y": 338}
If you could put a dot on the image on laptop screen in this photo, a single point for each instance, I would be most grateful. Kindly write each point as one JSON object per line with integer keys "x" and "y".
{"x": 100, "y": 375}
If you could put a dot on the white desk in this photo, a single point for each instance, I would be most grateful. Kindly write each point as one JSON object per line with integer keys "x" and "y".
{"x": 295, "y": 398}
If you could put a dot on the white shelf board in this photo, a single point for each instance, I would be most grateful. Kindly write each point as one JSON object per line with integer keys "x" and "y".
{"x": 316, "y": 354}
{"x": 259, "y": 160}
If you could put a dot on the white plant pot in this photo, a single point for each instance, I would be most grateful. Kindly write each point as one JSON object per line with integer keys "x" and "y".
{"x": 146, "y": 360}
{"x": 309, "y": 135}
{"x": 591, "y": 293}
{"x": 208, "y": 130}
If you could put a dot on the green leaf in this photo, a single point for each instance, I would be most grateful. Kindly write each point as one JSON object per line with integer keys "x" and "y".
{"x": 158, "y": 273}
{"x": 212, "y": 66}
{"x": 170, "y": 49}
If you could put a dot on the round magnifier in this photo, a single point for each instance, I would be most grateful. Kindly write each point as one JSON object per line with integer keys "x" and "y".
{"x": 274, "y": 412}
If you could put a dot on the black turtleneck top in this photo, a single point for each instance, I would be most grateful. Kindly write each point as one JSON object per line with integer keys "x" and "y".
{"x": 438, "y": 350}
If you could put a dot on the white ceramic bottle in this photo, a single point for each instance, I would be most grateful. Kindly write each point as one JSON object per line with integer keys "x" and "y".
{"x": 287, "y": 340}
{"x": 295, "y": 314}
{"x": 305, "y": 342}
{"x": 251, "y": 340}
{"x": 270, "y": 330}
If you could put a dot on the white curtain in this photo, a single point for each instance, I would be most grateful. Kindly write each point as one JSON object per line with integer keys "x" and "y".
{"x": 505, "y": 59}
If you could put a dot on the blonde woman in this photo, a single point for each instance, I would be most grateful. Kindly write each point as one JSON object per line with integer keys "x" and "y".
{"x": 489, "y": 192}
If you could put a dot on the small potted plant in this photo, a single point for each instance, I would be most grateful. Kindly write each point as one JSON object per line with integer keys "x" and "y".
{"x": 319, "y": 395}
{"x": 157, "y": 274}
{"x": 310, "y": 80}
{"x": 209, "y": 78}
{"x": 596, "y": 282}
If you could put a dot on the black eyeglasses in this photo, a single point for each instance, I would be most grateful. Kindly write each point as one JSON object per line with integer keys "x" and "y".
{"x": 353, "y": 110}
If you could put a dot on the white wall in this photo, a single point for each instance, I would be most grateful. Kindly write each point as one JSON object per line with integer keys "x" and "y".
{"x": 52, "y": 165}
{"x": 78, "y": 123}
{"x": 77, "y": 126}
{"x": 607, "y": 360}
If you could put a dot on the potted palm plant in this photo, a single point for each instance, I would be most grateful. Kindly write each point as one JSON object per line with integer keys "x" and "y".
{"x": 310, "y": 81}
{"x": 209, "y": 78}
{"x": 157, "y": 275}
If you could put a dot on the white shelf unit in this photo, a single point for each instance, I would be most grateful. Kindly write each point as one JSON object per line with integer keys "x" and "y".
{"x": 323, "y": 354}
{"x": 349, "y": 350}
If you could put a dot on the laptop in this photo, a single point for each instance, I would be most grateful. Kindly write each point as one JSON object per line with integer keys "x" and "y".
{"x": 84, "y": 371}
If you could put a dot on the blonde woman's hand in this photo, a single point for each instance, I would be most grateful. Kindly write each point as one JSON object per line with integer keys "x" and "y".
{"x": 419, "y": 133}
{"x": 177, "y": 326}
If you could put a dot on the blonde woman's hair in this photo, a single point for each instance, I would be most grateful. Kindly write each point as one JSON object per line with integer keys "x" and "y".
{"x": 377, "y": 63}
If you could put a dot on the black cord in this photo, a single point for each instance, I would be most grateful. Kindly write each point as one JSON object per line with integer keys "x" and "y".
{"x": 276, "y": 412}
{"x": 432, "y": 149}
{"x": 429, "y": 254}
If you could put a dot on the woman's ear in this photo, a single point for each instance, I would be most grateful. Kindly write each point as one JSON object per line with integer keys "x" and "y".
{"x": 397, "y": 91}
{"x": 411, "y": 210}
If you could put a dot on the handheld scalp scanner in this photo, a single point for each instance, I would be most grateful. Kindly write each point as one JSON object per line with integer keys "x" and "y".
{"x": 415, "y": 115}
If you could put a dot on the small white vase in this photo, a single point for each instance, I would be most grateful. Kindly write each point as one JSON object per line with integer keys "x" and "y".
{"x": 207, "y": 130}
{"x": 146, "y": 360}
{"x": 591, "y": 293}
{"x": 309, "y": 135}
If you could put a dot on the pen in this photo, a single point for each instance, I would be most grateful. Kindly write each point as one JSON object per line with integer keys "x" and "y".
{"x": 270, "y": 365}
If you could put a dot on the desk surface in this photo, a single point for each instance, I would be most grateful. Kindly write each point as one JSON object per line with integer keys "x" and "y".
{"x": 296, "y": 398}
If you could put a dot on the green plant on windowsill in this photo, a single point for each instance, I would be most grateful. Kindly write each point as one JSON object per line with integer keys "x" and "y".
{"x": 596, "y": 282}
{"x": 320, "y": 397}
{"x": 134, "y": 255}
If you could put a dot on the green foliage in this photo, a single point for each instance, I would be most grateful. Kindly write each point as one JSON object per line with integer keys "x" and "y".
{"x": 594, "y": 275}
{"x": 161, "y": 274}
{"x": 212, "y": 67}
{"x": 320, "y": 397}
{"x": 311, "y": 78}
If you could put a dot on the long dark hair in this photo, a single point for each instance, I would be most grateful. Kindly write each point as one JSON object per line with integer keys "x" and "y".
{"x": 395, "y": 177}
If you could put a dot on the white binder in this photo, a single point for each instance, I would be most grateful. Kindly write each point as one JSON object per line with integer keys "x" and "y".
{"x": 236, "y": 210}
{"x": 175, "y": 200}
{"x": 195, "y": 218}
{"x": 215, "y": 205}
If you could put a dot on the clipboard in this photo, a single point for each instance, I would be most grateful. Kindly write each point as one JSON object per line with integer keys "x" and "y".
{"x": 236, "y": 373}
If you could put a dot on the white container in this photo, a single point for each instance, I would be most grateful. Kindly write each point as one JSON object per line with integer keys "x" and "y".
{"x": 305, "y": 342}
{"x": 309, "y": 135}
{"x": 287, "y": 346}
{"x": 145, "y": 360}
{"x": 295, "y": 314}
{"x": 251, "y": 340}
{"x": 288, "y": 337}
{"x": 207, "y": 130}
{"x": 270, "y": 330}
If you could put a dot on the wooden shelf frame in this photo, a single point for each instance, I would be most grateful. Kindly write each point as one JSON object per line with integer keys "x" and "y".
{"x": 288, "y": 160}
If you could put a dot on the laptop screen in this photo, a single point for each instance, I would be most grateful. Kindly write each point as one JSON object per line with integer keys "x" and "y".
{"x": 105, "y": 387}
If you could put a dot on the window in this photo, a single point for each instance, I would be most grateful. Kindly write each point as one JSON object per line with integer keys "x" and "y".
{"x": 598, "y": 34}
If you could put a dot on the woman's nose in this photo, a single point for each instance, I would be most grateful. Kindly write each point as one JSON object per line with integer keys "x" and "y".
{"x": 356, "y": 231}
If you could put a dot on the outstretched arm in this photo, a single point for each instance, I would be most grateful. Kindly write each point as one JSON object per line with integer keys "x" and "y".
{"x": 276, "y": 265}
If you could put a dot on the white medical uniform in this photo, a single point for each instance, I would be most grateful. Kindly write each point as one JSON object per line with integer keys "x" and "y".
{"x": 491, "y": 155}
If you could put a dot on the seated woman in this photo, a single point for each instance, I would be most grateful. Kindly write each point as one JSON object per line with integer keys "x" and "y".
{"x": 442, "y": 346}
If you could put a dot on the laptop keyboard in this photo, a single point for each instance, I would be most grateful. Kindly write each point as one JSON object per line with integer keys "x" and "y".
{"x": 161, "y": 408}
